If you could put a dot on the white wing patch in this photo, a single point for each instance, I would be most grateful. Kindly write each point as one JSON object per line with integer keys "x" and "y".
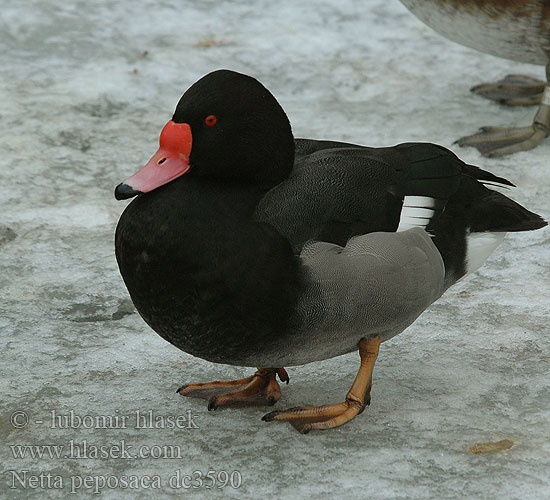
{"x": 479, "y": 246}
{"x": 417, "y": 211}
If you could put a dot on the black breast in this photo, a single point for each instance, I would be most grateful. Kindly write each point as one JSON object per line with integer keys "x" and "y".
{"x": 202, "y": 274}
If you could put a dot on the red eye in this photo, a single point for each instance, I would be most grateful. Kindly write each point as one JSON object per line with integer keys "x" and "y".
{"x": 210, "y": 120}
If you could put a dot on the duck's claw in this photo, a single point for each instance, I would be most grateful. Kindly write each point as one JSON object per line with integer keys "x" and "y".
{"x": 259, "y": 389}
{"x": 513, "y": 90}
{"x": 308, "y": 418}
{"x": 283, "y": 375}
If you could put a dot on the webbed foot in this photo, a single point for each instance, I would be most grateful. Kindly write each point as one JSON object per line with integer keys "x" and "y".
{"x": 258, "y": 389}
{"x": 500, "y": 141}
{"x": 307, "y": 418}
{"x": 513, "y": 90}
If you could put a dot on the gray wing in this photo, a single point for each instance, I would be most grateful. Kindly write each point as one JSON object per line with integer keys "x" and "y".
{"x": 338, "y": 190}
{"x": 378, "y": 284}
{"x": 332, "y": 195}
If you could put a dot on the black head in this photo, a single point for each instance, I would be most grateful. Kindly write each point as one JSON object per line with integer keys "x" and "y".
{"x": 239, "y": 129}
{"x": 226, "y": 126}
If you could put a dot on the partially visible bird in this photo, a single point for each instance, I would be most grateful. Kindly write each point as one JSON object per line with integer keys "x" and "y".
{"x": 247, "y": 247}
{"x": 511, "y": 29}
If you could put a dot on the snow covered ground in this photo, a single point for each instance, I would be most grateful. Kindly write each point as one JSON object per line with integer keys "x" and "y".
{"x": 85, "y": 89}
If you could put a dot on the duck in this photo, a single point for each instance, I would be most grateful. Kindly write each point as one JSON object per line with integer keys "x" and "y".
{"x": 245, "y": 246}
{"x": 519, "y": 31}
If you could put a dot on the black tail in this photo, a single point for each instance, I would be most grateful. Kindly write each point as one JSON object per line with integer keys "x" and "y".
{"x": 475, "y": 208}
{"x": 489, "y": 210}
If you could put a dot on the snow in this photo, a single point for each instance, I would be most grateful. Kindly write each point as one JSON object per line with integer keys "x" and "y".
{"x": 85, "y": 89}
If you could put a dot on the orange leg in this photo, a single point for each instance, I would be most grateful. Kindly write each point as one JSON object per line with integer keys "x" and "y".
{"x": 307, "y": 418}
{"x": 260, "y": 388}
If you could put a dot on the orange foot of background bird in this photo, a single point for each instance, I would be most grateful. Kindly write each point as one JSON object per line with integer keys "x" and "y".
{"x": 259, "y": 389}
{"x": 307, "y": 418}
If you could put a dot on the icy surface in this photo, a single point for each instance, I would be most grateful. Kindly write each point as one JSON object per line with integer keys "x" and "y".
{"x": 85, "y": 89}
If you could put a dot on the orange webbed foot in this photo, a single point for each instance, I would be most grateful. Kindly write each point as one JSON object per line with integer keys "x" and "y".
{"x": 259, "y": 389}
{"x": 308, "y": 418}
